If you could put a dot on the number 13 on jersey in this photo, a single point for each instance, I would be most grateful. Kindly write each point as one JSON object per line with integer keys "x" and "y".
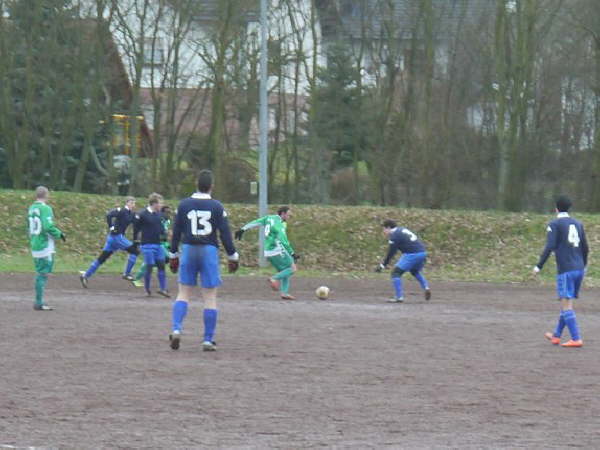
{"x": 200, "y": 222}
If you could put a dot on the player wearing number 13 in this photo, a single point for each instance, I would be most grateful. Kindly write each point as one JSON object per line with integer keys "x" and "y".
{"x": 197, "y": 222}
{"x": 42, "y": 233}
{"x": 566, "y": 238}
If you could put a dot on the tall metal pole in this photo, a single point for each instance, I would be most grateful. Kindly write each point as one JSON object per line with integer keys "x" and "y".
{"x": 263, "y": 184}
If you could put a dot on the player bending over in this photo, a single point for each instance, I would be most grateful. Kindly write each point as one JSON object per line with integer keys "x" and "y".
{"x": 566, "y": 238}
{"x": 197, "y": 221}
{"x": 412, "y": 260}
{"x": 42, "y": 233}
{"x": 278, "y": 249}
{"x": 164, "y": 242}
{"x": 149, "y": 222}
{"x": 118, "y": 220}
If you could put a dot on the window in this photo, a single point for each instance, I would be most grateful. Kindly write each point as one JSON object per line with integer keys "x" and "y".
{"x": 154, "y": 54}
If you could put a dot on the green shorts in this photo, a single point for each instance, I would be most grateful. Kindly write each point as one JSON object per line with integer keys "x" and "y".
{"x": 281, "y": 262}
{"x": 44, "y": 265}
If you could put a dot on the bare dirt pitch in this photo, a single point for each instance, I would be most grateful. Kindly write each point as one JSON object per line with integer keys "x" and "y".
{"x": 470, "y": 369}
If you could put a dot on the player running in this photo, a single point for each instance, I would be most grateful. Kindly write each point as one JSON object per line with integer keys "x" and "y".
{"x": 149, "y": 222}
{"x": 164, "y": 242}
{"x": 412, "y": 260}
{"x": 278, "y": 249}
{"x": 42, "y": 233}
{"x": 197, "y": 221}
{"x": 566, "y": 238}
{"x": 118, "y": 220}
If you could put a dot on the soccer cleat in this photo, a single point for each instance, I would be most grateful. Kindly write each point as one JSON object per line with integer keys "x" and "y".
{"x": 396, "y": 300}
{"x": 175, "y": 340}
{"x": 209, "y": 346}
{"x": 42, "y": 308}
{"x": 138, "y": 283}
{"x": 127, "y": 277}
{"x": 287, "y": 297}
{"x": 572, "y": 343}
{"x": 163, "y": 293}
{"x": 553, "y": 339}
{"x": 83, "y": 279}
{"x": 274, "y": 284}
{"x": 427, "y": 294}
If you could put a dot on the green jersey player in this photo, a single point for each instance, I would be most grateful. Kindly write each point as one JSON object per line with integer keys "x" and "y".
{"x": 278, "y": 249}
{"x": 42, "y": 233}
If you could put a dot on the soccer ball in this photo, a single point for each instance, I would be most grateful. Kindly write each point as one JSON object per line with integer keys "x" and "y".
{"x": 322, "y": 292}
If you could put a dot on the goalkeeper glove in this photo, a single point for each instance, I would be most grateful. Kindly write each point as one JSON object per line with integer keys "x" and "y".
{"x": 63, "y": 236}
{"x": 174, "y": 264}
{"x": 233, "y": 266}
{"x": 379, "y": 268}
{"x": 239, "y": 233}
{"x": 296, "y": 256}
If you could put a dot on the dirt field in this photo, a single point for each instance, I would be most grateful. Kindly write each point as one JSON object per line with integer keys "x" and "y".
{"x": 470, "y": 369}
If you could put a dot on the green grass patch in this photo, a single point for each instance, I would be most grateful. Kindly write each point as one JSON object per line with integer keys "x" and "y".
{"x": 333, "y": 240}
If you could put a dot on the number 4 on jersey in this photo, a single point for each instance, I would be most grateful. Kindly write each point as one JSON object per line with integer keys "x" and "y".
{"x": 573, "y": 236}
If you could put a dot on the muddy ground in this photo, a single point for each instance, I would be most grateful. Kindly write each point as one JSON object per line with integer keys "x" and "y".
{"x": 469, "y": 369}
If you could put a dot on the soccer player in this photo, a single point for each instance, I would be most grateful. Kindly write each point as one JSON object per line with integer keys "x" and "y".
{"x": 164, "y": 242}
{"x": 412, "y": 260}
{"x": 566, "y": 238}
{"x": 278, "y": 249}
{"x": 118, "y": 220}
{"x": 42, "y": 233}
{"x": 196, "y": 224}
{"x": 149, "y": 222}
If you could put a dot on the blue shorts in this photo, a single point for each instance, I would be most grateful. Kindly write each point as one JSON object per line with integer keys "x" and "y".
{"x": 412, "y": 262}
{"x": 153, "y": 253}
{"x": 116, "y": 242}
{"x": 568, "y": 284}
{"x": 200, "y": 260}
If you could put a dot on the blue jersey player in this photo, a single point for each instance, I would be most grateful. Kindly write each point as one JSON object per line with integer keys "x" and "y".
{"x": 149, "y": 223}
{"x": 412, "y": 260}
{"x": 198, "y": 220}
{"x": 566, "y": 238}
{"x": 118, "y": 220}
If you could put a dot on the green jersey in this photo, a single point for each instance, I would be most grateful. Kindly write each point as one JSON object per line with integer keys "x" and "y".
{"x": 42, "y": 230}
{"x": 276, "y": 241}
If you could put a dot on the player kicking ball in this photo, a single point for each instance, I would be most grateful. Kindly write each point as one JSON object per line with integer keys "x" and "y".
{"x": 199, "y": 218}
{"x": 412, "y": 260}
{"x": 278, "y": 249}
{"x": 566, "y": 238}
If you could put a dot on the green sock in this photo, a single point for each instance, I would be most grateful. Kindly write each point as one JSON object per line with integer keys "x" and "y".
{"x": 285, "y": 285}
{"x": 285, "y": 273}
{"x": 140, "y": 274}
{"x": 40, "y": 285}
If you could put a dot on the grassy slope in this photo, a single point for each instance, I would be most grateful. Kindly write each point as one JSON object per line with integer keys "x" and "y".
{"x": 463, "y": 245}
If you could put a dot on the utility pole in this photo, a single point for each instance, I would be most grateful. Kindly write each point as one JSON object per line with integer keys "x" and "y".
{"x": 263, "y": 182}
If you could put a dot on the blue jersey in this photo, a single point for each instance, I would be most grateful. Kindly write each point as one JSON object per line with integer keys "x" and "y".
{"x": 566, "y": 238}
{"x": 198, "y": 219}
{"x": 150, "y": 224}
{"x": 404, "y": 240}
{"x": 118, "y": 220}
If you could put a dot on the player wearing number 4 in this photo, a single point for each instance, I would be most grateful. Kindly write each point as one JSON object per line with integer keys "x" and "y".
{"x": 566, "y": 238}
{"x": 412, "y": 260}
{"x": 42, "y": 233}
{"x": 278, "y": 249}
{"x": 197, "y": 222}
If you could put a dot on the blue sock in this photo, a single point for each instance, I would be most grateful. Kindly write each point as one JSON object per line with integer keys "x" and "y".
{"x": 130, "y": 263}
{"x": 210, "y": 323}
{"x": 162, "y": 280}
{"x": 421, "y": 279}
{"x": 92, "y": 269}
{"x": 397, "y": 283}
{"x": 571, "y": 322}
{"x": 148, "y": 277}
{"x": 179, "y": 312}
{"x": 560, "y": 325}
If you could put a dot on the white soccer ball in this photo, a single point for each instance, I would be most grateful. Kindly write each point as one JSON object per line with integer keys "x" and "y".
{"x": 322, "y": 292}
